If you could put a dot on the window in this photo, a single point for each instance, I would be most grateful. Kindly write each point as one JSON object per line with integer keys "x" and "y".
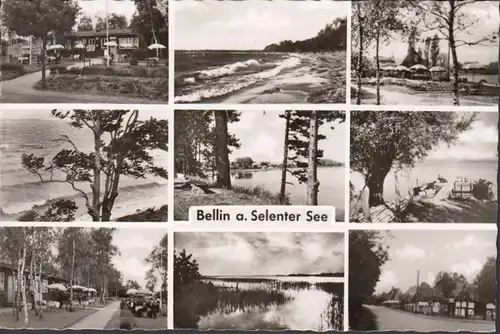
{"x": 2, "y": 281}
{"x": 129, "y": 42}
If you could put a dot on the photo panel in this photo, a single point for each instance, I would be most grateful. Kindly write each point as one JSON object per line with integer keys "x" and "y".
{"x": 411, "y": 58}
{"x": 259, "y": 280}
{"x": 260, "y": 52}
{"x": 422, "y": 280}
{"x": 423, "y": 167}
{"x": 49, "y": 170}
{"x": 259, "y": 158}
{"x": 85, "y": 58}
{"x": 83, "y": 278}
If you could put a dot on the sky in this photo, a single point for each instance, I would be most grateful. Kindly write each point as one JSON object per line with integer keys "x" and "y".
{"x": 135, "y": 245}
{"x": 463, "y": 252}
{"x": 95, "y": 8}
{"x": 249, "y": 25}
{"x": 488, "y": 20}
{"x": 249, "y": 253}
{"x": 42, "y": 114}
{"x": 477, "y": 143}
{"x": 262, "y": 137}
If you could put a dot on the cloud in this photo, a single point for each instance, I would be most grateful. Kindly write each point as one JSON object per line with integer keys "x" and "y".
{"x": 479, "y": 133}
{"x": 190, "y": 5}
{"x": 411, "y": 252}
{"x": 254, "y": 19}
{"x": 387, "y": 280}
{"x": 469, "y": 269}
{"x": 469, "y": 240}
{"x": 431, "y": 277}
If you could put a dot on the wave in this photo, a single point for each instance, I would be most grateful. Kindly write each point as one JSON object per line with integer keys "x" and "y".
{"x": 238, "y": 83}
{"x": 39, "y": 205}
{"x": 226, "y": 69}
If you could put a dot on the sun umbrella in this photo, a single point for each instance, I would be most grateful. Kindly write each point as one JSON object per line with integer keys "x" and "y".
{"x": 56, "y": 286}
{"x": 437, "y": 69}
{"x": 388, "y": 68}
{"x": 472, "y": 67}
{"x": 401, "y": 68}
{"x": 55, "y": 47}
{"x": 110, "y": 43}
{"x": 144, "y": 292}
{"x": 418, "y": 67}
{"x": 131, "y": 291}
{"x": 78, "y": 287}
{"x": 92, "y": 290}
{"x": 156, "y": 46}
{"x": 79, "y": 46}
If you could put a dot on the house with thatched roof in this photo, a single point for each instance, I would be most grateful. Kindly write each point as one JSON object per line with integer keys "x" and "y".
{"x": 464, "y": 300}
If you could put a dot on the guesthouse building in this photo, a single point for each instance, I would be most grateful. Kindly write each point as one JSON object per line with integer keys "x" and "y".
{"x": 125, "y": 41}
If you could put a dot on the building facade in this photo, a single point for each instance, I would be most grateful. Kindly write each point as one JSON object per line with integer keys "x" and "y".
{"x": 126, "y": 40}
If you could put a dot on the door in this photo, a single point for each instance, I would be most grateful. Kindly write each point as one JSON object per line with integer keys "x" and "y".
{"x": 10, "y": 289}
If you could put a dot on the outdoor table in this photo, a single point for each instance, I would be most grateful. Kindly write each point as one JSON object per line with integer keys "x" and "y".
{"x": 151, "y": 62}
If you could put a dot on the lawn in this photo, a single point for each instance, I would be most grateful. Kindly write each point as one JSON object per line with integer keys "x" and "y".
{"x": 185, "y": 198}
{"x": 123, "y": 319}
{"x": 52, "y": 320}
{"x": 150, "y": 215}
{"x": 11, "y": 71}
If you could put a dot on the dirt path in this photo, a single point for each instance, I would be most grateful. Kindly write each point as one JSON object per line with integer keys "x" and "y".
{"x": 99, "y": 319}
{"x": 20, "y": 90}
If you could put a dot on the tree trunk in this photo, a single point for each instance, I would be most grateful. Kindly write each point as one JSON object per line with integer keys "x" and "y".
{"x": 23, "y": 285}
{"x": 312, "y": 166}
{"x": 453, "y": 48}
{"x": 285, "y": 158}
{"x": 360, "y": 54}
{"x": 17, "y": 306}
{"x": 42, "y": 56}
{"x": 40, "y": 313}
{"x": 377, "y": 60}
{"x": 32, "y": 272}
{"x": 109, "y": 201}
{"x": 96, "y": 187}
{"x": 72, "y": 274}
{"x": 375, "y": 185}
{"x": 221, "y": 150}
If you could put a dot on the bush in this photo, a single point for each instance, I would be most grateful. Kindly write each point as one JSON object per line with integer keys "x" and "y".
{"x": 133, "y": 61}
{"x": 126, "y": 324}
{"x": 14, "y": 67}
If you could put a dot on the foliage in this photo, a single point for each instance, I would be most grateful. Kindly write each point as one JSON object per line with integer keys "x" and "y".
{"x": 331, "y": 38}
{"x": 397, "y": 139}
{"x": 486, "y": 281}
{"x": 150, "y": 21}
{"x": 367, "y": 254}
{"x": 115, "y": 21}
{"x": 85, "y": 24}
{"x": 122, "y": 147}
{"x": 299, "y": 138}
{"x": 132, "y": 284}
{"x": 158, "y": 261}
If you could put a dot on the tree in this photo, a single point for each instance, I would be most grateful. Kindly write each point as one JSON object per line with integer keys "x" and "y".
{"x": 451, "y": 18}
{"x": 115, "y": 21}
{"x": 360, "y": 41}
{"x": 427, "y": 52}
{"x": 103, "y": 252}
{"x": 122, "y": 145}
{"x": 367, "y": 254}
{"x": 486, "y": 281}
{"x": 221, "y": 150}
{"x": 284, "y": 169}
{"x": 85, "y": 24}
{"x": 131, "y": 284}
{"x": 381, "y": 141}
{"x": 158, "y": 261}
{"x": 245, "y": 162}
{"x": 40, "y": 18}
{"x": 303, "y": 140}
{"x": 186, "y": 269}
{"x": 150, "y": 21}
{"x": 435, "y": 50}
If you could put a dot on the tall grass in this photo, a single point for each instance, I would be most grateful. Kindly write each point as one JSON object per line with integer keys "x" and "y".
{"x": 264, "y": 194}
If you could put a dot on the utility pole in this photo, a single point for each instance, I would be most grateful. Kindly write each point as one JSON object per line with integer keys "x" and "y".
{"x": 416, "y": 293}
{"x": 107, "y": 33}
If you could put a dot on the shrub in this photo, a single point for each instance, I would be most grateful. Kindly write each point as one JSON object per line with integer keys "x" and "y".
{"x": 126, "y": 324}
{"x": 133, "y": 61}
{"x": 12, "y": 67}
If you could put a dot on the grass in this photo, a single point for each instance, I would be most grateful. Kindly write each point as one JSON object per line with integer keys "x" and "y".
{"x": 149, "y": 215}
{"x": 184, "y": 199}
{"x": 52, "y": 320}
{"x": 460, "y": 211}
{"x": 123, "y": 319}
{"x": 135, "y": 87}
{"x": 11, "y": 71}
{"x": 362, "y": 319}
{"x": 121, "y": 71}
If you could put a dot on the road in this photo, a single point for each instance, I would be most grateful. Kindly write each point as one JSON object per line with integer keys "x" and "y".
{"x": 390, "y": 319}
{"x": 99, "y": 319}
{"x": 20, "y": 90}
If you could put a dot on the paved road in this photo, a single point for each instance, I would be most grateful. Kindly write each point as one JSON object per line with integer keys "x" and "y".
{"x": 390, "y": 319}
{"x": 99, "y": 319}
{"x": 20, "y": 90}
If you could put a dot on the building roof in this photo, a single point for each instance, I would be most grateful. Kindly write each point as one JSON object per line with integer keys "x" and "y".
{"x": 102, "y": 33}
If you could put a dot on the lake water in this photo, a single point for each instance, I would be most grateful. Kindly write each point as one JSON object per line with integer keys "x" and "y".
{"x": 21, "y": 190}
{"x": 306, "y": 308}
{"x": 428, "y": 172}
{"x": 331, "y": 188}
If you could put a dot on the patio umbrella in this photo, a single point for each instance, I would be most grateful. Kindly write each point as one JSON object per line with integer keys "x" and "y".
{"x": 55, "y": 47}
{"x": 437, "y": 69}
{"x": 131, "y": 291}
{"x": 388, "y": 68}
{"x": 78, "y": 287}
{"x": 418, "y": 67}
{"x": 110, "y": 43}
{"x": 79, "y": 46}
{"x": 156, "y": 46}
{"x": 473, "y": 67}
{"x": 144, "y": 292}
{"x": 401, "y": 68}
{"x": 56, "y": 286}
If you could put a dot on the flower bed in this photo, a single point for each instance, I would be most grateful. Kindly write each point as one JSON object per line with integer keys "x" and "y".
{"x": 121, "y": 71}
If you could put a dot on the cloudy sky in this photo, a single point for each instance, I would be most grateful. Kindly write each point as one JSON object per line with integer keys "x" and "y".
{"x": 135, "y": 245}
{"x": 248, "y": 253}
{"x": 477, "y": 143}
{"x": 42, "y": 114}
{"x": 463, "y": 252}
{"x": 261, "y": 137}
{"x": 253, "y": 24}
{"x": 486, "y": 12}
